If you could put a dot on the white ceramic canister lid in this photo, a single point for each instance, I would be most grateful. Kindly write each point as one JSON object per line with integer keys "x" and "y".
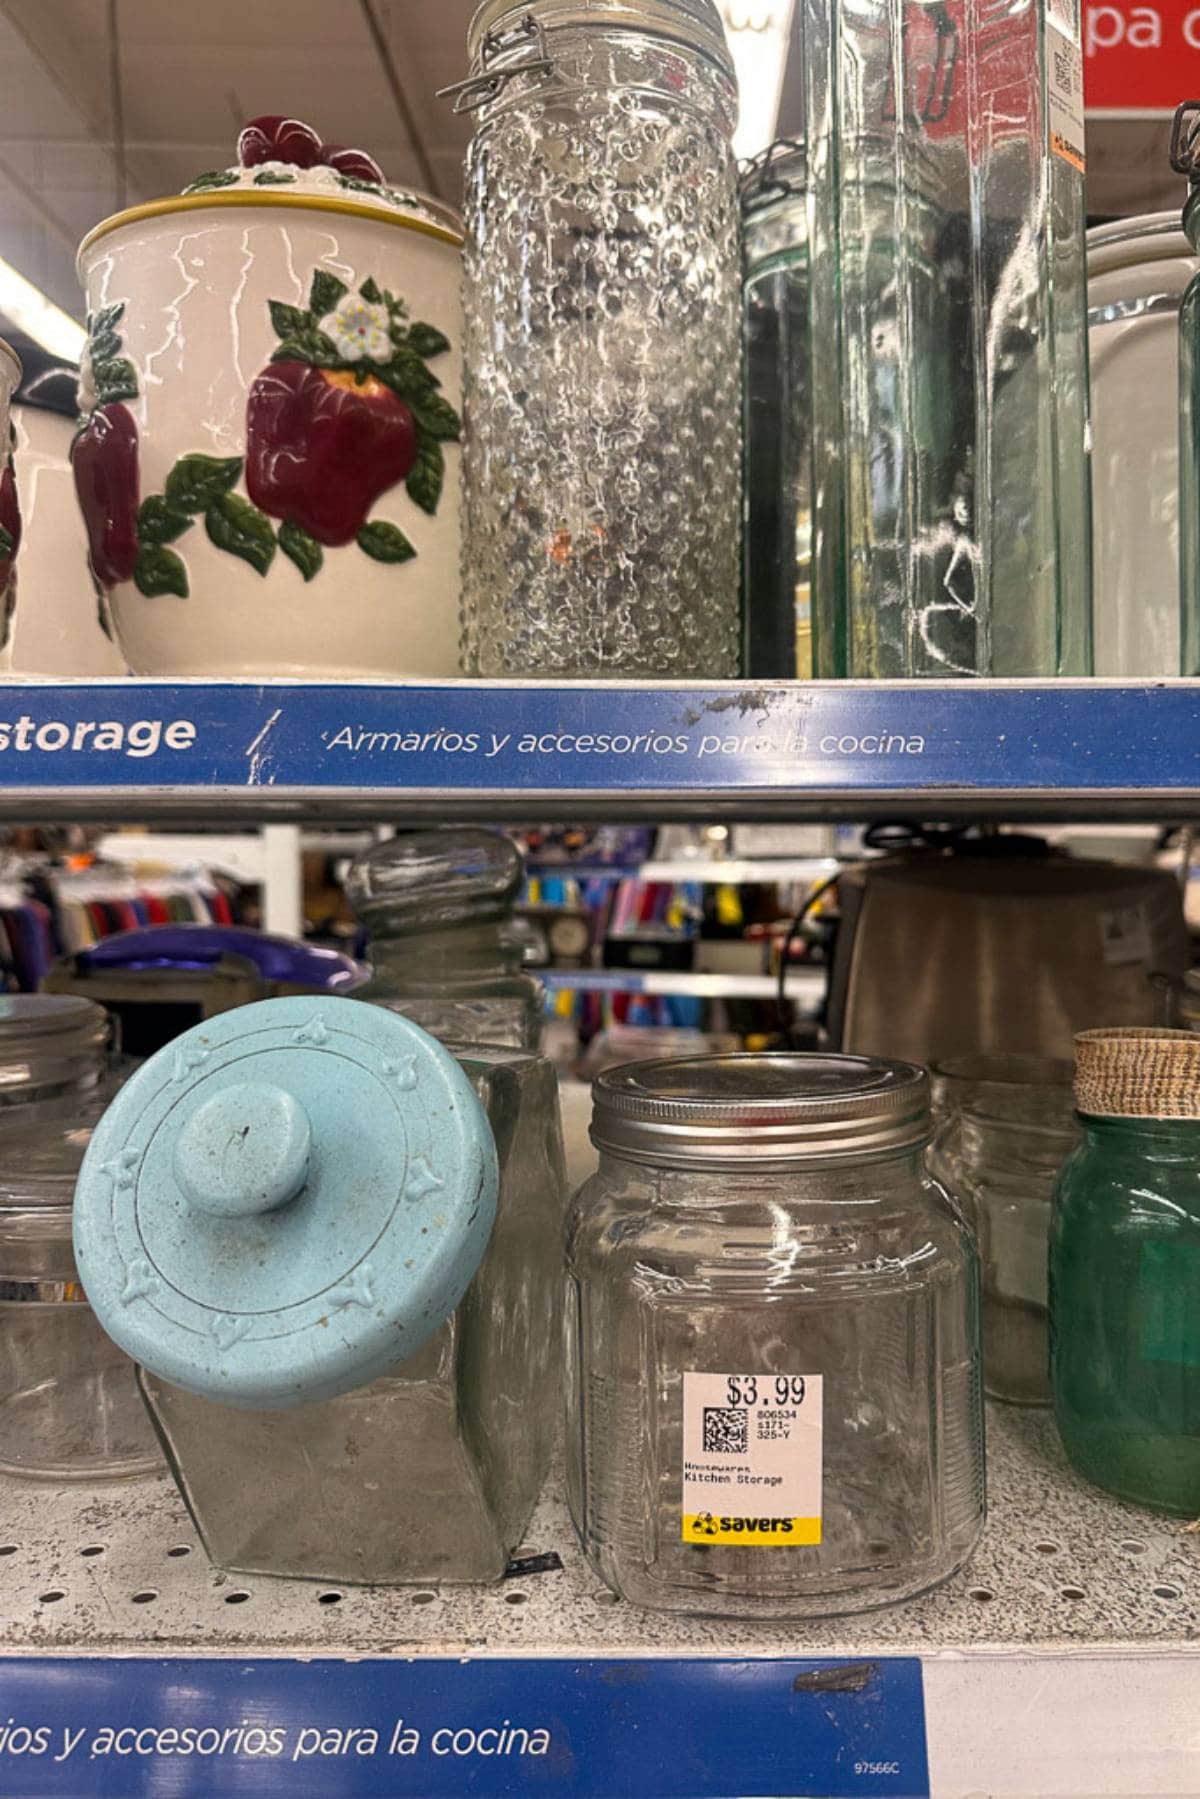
{"x": 273, "y": 179}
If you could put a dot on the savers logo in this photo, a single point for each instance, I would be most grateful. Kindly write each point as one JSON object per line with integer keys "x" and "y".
{"x": 708, "y": 1527}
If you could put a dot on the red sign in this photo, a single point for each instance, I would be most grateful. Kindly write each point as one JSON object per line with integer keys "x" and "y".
{"x": 1140, "y": 58}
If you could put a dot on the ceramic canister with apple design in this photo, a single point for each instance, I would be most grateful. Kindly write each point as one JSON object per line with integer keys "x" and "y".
{"x": 268, "y": 437}
{"x": 10, "y": 509}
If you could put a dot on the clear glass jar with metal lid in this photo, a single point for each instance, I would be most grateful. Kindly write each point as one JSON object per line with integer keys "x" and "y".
{"x": 602, "y": 468}
{"x": 69, "y": 1408}
{"x": 438, "y": 906}
{"x": 773, "y": 1340}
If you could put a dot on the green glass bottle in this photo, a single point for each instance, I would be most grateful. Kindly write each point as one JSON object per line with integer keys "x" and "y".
{"x": 1125, "y": 1270}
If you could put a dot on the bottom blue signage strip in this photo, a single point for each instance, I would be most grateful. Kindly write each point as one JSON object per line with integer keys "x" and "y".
{"x": 600, "y": 1729}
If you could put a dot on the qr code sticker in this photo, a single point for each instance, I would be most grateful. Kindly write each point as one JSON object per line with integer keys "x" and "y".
{"x": 726, "y": 1430}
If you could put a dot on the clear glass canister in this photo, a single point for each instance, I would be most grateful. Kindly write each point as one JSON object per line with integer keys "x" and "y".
{"x": 1005, "y": 1126}
{"x": 602, "y": 465}
{"x": 772, "y": 1340}
{"x": 310, "y": 1186}
{"x": 1185, "y": 158}
{"x": 777, "y": 516}
{"x": 1125, "y": 1270}
{"x": 438, "y": 909}
{"x": 945, "y": 153}
{"x": 69, "y": 1408}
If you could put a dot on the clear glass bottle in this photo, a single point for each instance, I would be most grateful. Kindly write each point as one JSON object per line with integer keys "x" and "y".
{"x": 602, "y": 461}
{"x": 437, "y": 906}
{"x": 777, "y": 514}
{"x": 947, "y": 281}
{"x": 69, "y": 1408}
{"x": 351, "y": 1354}
{"x": 774, "y": 1402}
{"x": 1125, "y": 1270}
{"x": 1185, "y": 158}
{"x": 1005, "y": 1126}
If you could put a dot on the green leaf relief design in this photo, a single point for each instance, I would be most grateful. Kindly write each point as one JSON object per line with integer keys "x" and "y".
{"x": 197, "y": 480}
{"x": 325, "y": 292}
{"x": 427, "y": 340}
{"x": 104, "y": 345}
{"x": 369, "y": 291}
{"x": 159, "y": 521}
{"x": 289, "y": 321}
{"x": 301, "y": 549}
{"x": 115, "y": 379}
{"x": 107, "y": 319}
{"x": 159, "y": 570}
{"x": 308, "y": 346}
{"x": 384, "y": 542}
{"x": 267, "y": 179}
{"x": 437, "y": 416}
{"x": 408, "y": 377}
{"x": 211, "y": 178}
{"x": 235, "y": 525}
{"x": 424, "y": 483}
{"x": 6, "y": 543}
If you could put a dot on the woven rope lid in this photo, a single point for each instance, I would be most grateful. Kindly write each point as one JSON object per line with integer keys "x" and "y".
{"x": 1138, "y": 1073}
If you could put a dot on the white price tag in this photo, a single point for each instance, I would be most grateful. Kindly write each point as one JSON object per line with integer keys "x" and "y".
{"x": 752, "y": 1459}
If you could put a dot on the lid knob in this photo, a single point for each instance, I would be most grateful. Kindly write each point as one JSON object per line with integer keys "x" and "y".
{"x": 244, "y": 1151}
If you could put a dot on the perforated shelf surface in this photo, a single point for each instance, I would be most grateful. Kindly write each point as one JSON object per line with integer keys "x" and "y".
{"x": 1061, "y": 1567}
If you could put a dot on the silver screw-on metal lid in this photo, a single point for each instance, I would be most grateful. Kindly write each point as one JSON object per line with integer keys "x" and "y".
{"x": 760, "y": 1111}
{"x": 694, "y": 23}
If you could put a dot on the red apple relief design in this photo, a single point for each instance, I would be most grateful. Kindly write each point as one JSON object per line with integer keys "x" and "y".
{"x": 346, "y": 410}
{"x": 104, "y": 458}
{"x": 323, "y": 446}
{"x": 104, "y": 454}
{"x": 10, "y": 523}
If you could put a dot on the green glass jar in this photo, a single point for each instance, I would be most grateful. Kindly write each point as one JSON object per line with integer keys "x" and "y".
{"x": 1125, "y": 1270}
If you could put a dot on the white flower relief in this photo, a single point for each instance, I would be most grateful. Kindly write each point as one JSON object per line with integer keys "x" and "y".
{"x": 85, "y": 392}
{"x": 359, "y": 328}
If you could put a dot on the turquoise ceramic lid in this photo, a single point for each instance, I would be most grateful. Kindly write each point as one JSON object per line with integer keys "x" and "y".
{"x": 286, "y": 1201}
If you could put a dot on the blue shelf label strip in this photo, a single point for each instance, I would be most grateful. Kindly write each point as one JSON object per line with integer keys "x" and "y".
{"x": 658, "y": 1728}
{"x": 599, "y": 740}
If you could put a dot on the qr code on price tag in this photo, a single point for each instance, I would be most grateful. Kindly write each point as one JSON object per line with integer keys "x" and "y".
{"x": 726, "y": 1430}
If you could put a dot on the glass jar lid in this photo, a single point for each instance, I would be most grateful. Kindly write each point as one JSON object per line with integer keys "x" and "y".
{"x": 427, "y": 880}
{"x": 286, "y": 1201}
{"x": 696, "y": 24}
{"x": 756, "y": 1111}
{"x": 49, "y": 1041}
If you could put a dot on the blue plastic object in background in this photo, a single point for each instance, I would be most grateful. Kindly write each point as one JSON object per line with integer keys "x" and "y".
{"x": 286, "y": 1202}
{"x": 199, "y": 946}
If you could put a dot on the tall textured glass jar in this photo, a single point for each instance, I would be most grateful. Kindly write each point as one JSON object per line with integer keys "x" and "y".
{"x": 1125, "y": 1270}
{"x": 1006, "y": 1123}
{"x": 1185, "y": 158}
{"x": 438, "y": 907}
{"x": 945, "y": 148}
{"x": 772, "y": 1340}
{"x": 777, "y": 515}
{"x": 602, "y": 467}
